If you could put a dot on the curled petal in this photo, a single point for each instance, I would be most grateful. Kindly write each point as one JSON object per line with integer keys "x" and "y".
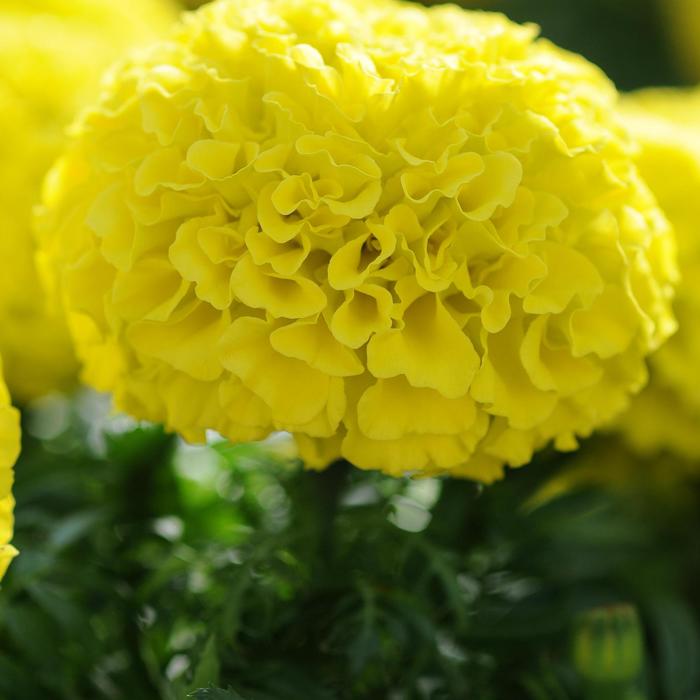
{"x": 504, "y": 386}
{"x": 428, "y": 182}
{"x": 151, "y": 291}
{"x": 392, "y": 409}
{"x": 166, "y": 168}
{"x": 354, "y": 262}
{"x": 607, "y": 327}
{"x": 284, "y": 258}
{"x": 187, "y": 341}
{"x": 365, "y": 311}
{"x": 295, "y": 392}
{"x": 569, "y": 274}
{"x": 553, "y": 368}
{"x": 214, "y": 159}
{"x": 421, "y": 453}
{"x": 313, "y": 342}
{"x": 428, "y": 332}
{"x": 496, "y": 186}
{"x": 283, "y": 297}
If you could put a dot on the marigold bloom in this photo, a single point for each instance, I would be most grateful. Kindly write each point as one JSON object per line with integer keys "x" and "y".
{"x": 9, "y": 449}
{"x": 412, "y": 237}
{"x": 51, "y": 55}
{"x": 667, "y": 125}
{"x": 683, "y": 24}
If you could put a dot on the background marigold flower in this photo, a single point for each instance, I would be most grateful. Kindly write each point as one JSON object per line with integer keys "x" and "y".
{"x": 666, "y": 123}
{"x": 682, "y": 18}
{"x": 52, "y": 53}
{"x": 415, "y": 238}
{"x": 9, "y": 450}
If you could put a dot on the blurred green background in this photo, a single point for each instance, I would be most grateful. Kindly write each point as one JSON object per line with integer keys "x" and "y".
{"x": 152, "y": 569}
{"x": 627, "y": 38}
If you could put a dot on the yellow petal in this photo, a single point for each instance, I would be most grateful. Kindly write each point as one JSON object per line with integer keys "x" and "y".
{"x": 495, "y": 187}
{"x": 150, "y": 291}
{"x": 164, "y": 168}
{"x": 295, "y": 392}
{"x": 426, "y": 181}
{"x": 318, "y": 454}
{"x": 366, "y": 310}
{"x": 429, "y": 332}
{"x": 243, "y": 409}
{"x": 358, "y": 258}
{"x": 426, "y": 453}
{"x": 284, "y": 258}
{"x": 555, "y": 369}
{"x": 110, "y": 219}
{"x": 187, "y": 341}
{"x": 279, "y": 227}
{"x": 282, "y": 297}
{"x": 326, "y": 423}
{"x": 569, "y": 274}
{"x": 215, "y": 159}
{"x": 392, "y": 409}
{"x": 192, "y": 259}
{"x": 607, "y": 327}
{"x": 312, "y": 342}
{"x": 503, "y": 385}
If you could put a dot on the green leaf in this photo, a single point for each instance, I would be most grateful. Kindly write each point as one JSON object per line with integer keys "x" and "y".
{"x": 677, "y": 637}
{"x": 208, "y": 667}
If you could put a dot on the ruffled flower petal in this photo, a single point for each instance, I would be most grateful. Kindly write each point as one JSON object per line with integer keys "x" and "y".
{"x": 413, "y": 237}
{"x": 51, "y": 57}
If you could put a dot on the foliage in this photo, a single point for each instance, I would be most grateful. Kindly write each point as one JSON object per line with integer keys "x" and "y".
{"x": 151, "y": 569}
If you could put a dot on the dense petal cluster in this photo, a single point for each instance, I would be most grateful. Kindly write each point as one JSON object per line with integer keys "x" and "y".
{"x": 413, "y": 238}
{"x": 51, "y": 55}
{"x": 9, "y": 449}
{"x": 666, "y": 123}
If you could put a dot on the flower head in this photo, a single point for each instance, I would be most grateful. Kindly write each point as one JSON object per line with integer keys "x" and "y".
{"x": 666, "y": 123}
{"x": 9, "y": 449}
{"x": 51, "y": 55}
{"x": 414, "y": 238}
{"x": 682, "y": 18}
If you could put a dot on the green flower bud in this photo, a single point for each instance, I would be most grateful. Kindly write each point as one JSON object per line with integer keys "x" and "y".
{"x": 608, "y": 644}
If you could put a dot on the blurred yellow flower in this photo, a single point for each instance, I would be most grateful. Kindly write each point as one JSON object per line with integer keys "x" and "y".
{"x": 51, "y": 55}
{"x": 667, "y": 125}
{"x": 682, "y": 19}
{"x": 9, "y": 449}
{"x": 413, "y": 238}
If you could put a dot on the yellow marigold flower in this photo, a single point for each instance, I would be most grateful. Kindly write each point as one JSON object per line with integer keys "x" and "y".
{"x": 683, "y": 24}
{"x": 51, "y": 55}
{"x": 667, "y": 125}
{"x": 9, "y": 449}
{"x": 414, "y": 238}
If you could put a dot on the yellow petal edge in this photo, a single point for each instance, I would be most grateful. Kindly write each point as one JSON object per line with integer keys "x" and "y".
{"x": 414, "y": 238}
{"x": 52, "y": 53}
{"x": 9, "y": 450}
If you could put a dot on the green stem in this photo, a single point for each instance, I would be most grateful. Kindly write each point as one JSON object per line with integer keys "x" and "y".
{"x": 148, "y": 470}
{"x": 329, "y": 485}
